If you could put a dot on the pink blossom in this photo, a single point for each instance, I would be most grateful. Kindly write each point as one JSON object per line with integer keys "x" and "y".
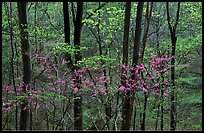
{"x": 8, "y": 88}
{"x": 87, "y": 81}
{"x": 33, "y": 91}
{"x": 49, "y": 77}
{"x": 144, "y": 89}
{"x": 124, "y": 67}
{"x": 91, "y": 84}
{"x": 124, "y": 74}
{"x": 37, "y": 107}
{"x": 165, "y": 94}
{"x": 44, "y": 60}
{"x": 79, "y": 71}
{"x": 25, "y": 107}
{"x": 165, "y": 81}
{"x": 65, "y": 74}
{"x": 141, "y": 66}
{"x": 128, "y": 89}
{"x": 6, "y": 109}
{"x": 58, "y": 81}
{"x": 75, "y": 89}
{"x": 53, "y": 89}
{"x": 63, "y": 82}
{"x": 95, "y": 94}
{"x": 132, "y": 68}
{"x": 156, "y": 85}
{"x": 122, "y": 88}
{"x": 104, "y": 91}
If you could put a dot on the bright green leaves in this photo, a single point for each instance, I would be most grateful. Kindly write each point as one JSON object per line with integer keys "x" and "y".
{"x": 95, "y": 61}
{"x": 191, "y": 18}
{"x": 59, "y": 48}
{"x": 186, "y": 46}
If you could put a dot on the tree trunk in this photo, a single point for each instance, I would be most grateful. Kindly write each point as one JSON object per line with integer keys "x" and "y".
{"x": 125, "y": 100}
{"x": 144, "y": 41}
{"x": 173, "y": 41}
{"x": 146, "y": 29}
{"x": 22, "y": 11}
{"x": 67, "y": 33}
{"x": 128, "y": 100}
{"x": 137, "y": 34}
{"x": 78, "y": 123}
{"x": 144, "y": 111}
{"x": 10, "y": 16}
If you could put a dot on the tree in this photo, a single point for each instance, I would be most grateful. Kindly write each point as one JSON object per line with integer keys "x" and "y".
{"x": 128, "y": 101}
{"x": 144, "y": 41}
{"x": 22, "y": 11}
{"x": 125, "y": 113}
{"x": 67, "y": 32}
{"x": 173, "y": 52}
{"x": 78, "y": 123}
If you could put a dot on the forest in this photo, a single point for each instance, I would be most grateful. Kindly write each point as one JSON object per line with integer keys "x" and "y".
{"x": 102, "y": 66}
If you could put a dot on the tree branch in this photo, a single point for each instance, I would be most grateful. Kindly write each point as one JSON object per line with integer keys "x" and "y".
{"x": 96, "y": 10}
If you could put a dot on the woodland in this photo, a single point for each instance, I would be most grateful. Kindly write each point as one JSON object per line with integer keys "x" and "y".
{"x": 102, "y": 66}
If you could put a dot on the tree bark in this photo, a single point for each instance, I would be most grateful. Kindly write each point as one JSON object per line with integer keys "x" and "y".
{"x": 67, "y": 33}
{"x": 128, "y": 100}
{"x": 137, "y": 34}
{"x": 173, "y": 52}
{"x": 144, "y": 41}
{"x": 125, "y": 110}
{"x": 78, "y": 123}
{"x": 22, "y": 11}
{"x": 146, "y": 31}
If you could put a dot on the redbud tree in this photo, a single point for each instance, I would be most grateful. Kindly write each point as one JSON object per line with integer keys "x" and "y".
{"x": 47, "y": 84}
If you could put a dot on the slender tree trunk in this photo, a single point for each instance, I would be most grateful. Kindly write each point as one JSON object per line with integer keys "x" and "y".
{"x": 144, "y": 41}
{"x": 128, "y": 100}
{"x": 67, "y": 33}
{"x": 10, "y": 15}
{"x": 157, "y": 117}
{"x": 146, "y": 31}
{"x": 137, "y": 34}
{"x": 108, "y": 109}
{"x": 144, "y": 112}
{"x": 173, "y": 52}
{"x": 31, "y": 119}
{"x": 78, "y": 123}
{"x": 162, "y": 110}
{"x": 35, "y": 27}
{"x": 134, "y": 117}
{"x": 125, "y": 100}
{"x": 22, "y": 11}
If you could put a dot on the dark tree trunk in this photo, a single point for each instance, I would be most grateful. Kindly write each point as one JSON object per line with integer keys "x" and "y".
{"x": 10, "y": 16}
{"x": 137, "y": 34}
{"x": 173, "y": 41}
{"x": 67, "y": 33}
{"x": 78, "y": 123}
{"x": 144, "y": 41}
{"x": 128, "y": 101}
{"x": 144, "y": 111}
{"x": 22, "y": 11}
{"x": 146, "y": 31}
{"x": 125, "y": 109}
